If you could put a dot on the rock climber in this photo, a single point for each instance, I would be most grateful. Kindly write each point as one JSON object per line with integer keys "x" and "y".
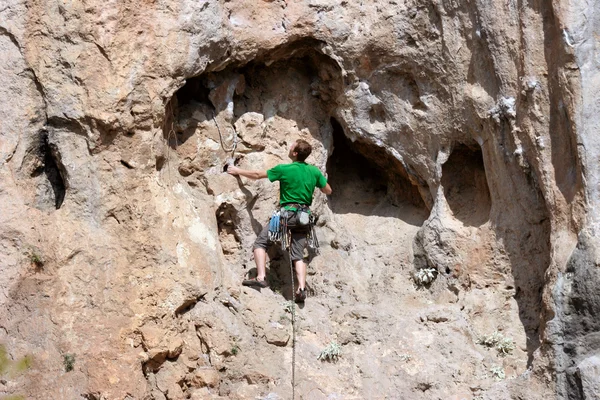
{"x": 297, "y": 182}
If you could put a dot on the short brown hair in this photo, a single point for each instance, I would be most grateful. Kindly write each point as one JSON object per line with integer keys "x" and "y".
{"x": 303, "y": 149}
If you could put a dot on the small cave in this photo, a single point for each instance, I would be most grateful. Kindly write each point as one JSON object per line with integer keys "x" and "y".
{"x": 367, "y": 180}
{"x": 51, "y": 188}
{"x": 192, "y": 96}
{"x": 243, "y": 107}
{"x": 191, "y": 114}
{"x": 465, "y": 185}
{"x": 295, "y": 83}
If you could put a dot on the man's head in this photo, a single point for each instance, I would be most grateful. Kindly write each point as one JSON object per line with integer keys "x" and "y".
{"x": 300, "y": 150}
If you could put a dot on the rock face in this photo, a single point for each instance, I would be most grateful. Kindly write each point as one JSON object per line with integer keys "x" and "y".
{"x": 460, "y": 139}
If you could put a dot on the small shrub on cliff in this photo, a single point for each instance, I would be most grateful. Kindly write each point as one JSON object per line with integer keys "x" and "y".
{"x": 425, "y": 276}
{"x": 498, "y": 373}
{"x": 235, "y": 347}
{"x": 36, "y": 258}
{"x": 13, "y": 368}
{"x": 496, "y": 340}
{"x": 505, "y": 346}
{"x": 288, "y": 306}
{"x": 490, "y": 340}
{"x": 69, "y": 362}
{"x": 23, "y": 364}
{"x": 331, "y": 353}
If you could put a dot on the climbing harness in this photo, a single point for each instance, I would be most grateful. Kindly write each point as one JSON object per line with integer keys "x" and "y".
{"x": 304, "y": 218}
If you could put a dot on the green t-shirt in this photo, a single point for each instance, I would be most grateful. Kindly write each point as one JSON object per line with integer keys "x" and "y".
{"x": 297, "y": 182}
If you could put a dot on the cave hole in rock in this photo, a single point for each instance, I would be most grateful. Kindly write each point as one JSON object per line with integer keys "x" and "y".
{"x": 294, "y": 88}
{"x": 295, "y": 82}
{"x": 51, "y": 189}
{"x": 369, "y": 181}
{"x": 188, "y": 107}
{"x": 465, "y": 185}
{"x": 282, "y": 94}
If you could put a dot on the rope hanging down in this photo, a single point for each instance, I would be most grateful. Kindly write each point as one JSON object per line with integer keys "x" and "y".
{"x": 286, "y": 242}
{"x": 235, "y": 139}
{"x": 293, "y": 324}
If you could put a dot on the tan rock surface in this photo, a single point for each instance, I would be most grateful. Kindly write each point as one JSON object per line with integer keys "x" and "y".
{"x": 459, "y": 137}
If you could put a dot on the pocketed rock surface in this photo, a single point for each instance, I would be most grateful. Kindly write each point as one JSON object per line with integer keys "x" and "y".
{"x": 460, "y": 140}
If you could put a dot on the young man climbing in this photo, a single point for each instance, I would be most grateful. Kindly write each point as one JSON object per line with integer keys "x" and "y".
{"x": 297, "y": 182}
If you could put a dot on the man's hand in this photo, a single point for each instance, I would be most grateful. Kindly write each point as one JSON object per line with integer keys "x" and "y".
{"x": 233, "y": 170}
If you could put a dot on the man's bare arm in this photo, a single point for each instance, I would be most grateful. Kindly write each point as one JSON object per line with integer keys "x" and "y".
{"x": 326, "y": 189}
{"x": 232, "y": 170}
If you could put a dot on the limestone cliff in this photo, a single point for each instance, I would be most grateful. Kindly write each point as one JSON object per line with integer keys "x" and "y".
{"x": 460, "y": 140}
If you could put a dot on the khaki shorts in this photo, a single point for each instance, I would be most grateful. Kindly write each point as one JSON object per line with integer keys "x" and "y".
{"x": 299, "y": 238}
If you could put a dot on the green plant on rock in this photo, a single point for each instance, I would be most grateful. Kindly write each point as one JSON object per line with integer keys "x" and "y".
{"x": 490, "y": 340}
{"x": 235, "y": 348}
{"x": 23, "y": 364}
{"x": 288, "y": 306}
{"x": 505, "y": 346}
{"x": 7, "y": 366}
{"x": 498, "y": 373}
{"x": 36, "y": 258}
{"x": 331, "y": 353}
{"x": 69, "y": 362}
{"x": 496, "y": 340}
{"x": 425, "y": 276}
{"x": 4, "y": 361}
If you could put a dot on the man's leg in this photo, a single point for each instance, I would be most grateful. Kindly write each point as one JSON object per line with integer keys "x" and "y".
{"x": 300, "y": 273}
{"x": 297, "y": 254}
{"x": 260, "y": 259}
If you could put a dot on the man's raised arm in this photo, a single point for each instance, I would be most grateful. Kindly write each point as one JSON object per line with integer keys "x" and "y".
{"x": 232, "y": 170}
{"x": 326, "y": 189}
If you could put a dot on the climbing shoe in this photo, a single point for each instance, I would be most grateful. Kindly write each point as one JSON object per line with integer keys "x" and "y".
{"x": 255, "y": 283}
{"x": 300, "y": 296}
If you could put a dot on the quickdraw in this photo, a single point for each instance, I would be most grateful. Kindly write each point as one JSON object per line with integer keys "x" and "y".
{"x": 275, "y": 227}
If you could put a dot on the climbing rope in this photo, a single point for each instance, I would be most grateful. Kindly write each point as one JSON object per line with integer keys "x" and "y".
{"x": 286, "y": 244}
{"x": 293, "y": 320}
{"x": 233, "y": 147}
